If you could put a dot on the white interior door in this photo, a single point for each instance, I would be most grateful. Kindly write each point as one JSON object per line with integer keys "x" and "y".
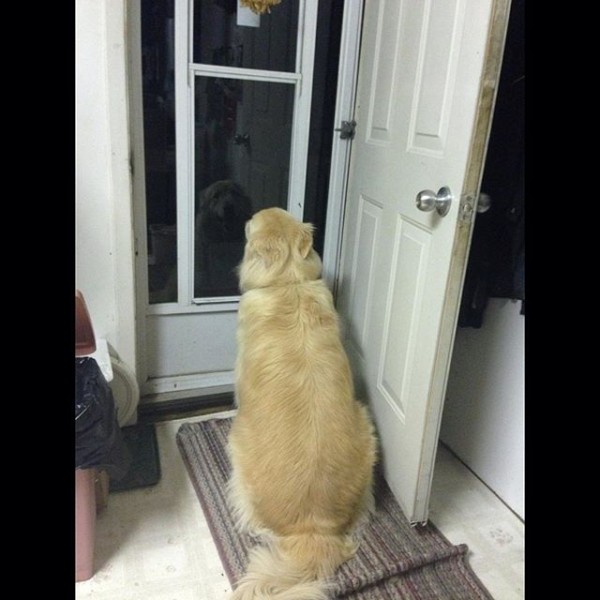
{"x": 418, "y": 113}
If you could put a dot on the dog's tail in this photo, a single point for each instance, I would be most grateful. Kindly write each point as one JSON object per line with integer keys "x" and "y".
{"x": 294, "y": 567}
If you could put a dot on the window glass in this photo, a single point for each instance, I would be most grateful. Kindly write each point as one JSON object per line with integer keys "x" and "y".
{"x": 266, "y": 42}
{"x": 242, "y": 156}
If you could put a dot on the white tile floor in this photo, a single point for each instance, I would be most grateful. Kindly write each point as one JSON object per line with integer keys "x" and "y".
{"x": 154, "y": 543}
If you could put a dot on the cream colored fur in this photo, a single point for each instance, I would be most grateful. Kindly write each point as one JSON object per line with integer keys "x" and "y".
{"x": 302, "y": 448}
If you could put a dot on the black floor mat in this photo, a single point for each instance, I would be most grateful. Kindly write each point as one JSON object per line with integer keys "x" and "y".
{"x": 144, "y": 470}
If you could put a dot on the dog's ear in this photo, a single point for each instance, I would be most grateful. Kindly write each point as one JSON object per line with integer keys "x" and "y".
{"x": 270, "y": 248}
{"x": 305, "y": 239}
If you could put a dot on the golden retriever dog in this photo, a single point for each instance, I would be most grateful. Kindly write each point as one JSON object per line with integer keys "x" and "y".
{"x": 302, "y": 447}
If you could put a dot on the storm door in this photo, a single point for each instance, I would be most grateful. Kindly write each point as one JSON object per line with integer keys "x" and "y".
{"x": 226, "y": 103}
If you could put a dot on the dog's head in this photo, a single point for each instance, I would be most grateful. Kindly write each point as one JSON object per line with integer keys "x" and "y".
{"x": 222, "y": 213}
{"x": 279, "y": 251}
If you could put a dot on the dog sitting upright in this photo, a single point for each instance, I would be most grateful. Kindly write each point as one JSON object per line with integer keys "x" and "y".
{"x": 302, "y": 448}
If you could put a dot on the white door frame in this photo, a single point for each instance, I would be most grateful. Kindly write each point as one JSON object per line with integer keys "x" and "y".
{"x": 138, "y": 192}
{"x": 340, "y": 151}
{"x": 348, "y": 67}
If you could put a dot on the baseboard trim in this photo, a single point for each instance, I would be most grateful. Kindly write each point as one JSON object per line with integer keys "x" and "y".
{"x": 214, "y": 382}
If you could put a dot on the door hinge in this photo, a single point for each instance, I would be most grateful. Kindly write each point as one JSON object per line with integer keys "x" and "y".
{"x": 466, "y": 209}
{"x": 347, "y": 130}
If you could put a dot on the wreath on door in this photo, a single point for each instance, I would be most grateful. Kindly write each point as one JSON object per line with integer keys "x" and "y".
{"x": 260, "y": 6}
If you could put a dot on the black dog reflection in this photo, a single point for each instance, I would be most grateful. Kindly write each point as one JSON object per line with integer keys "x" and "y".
{"x": 223, "y": 210}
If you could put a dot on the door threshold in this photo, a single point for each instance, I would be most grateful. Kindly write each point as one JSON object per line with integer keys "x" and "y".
{"x": 152, "y": 411}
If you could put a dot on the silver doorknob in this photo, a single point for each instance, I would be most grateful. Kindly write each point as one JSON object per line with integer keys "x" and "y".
{"x": 428, "y": 201}
{"x": 484, "y": 203}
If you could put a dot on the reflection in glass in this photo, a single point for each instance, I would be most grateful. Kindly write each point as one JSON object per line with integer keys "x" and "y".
{"x": 219, "y": 40}
{"x": 223, "y": 210}
{"x": 242, "y": 155}
{"x": 159, "y": 147}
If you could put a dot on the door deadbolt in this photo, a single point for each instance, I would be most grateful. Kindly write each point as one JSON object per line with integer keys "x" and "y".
{"x": 347, "y": 130}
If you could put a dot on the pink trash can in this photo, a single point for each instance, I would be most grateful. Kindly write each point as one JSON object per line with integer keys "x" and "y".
{"x": 85, "y": 522}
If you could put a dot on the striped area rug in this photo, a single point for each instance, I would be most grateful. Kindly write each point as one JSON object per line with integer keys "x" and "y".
{"x": 394, "y": 562}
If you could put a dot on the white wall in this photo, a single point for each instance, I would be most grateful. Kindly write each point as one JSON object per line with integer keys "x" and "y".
{"x": 104, "y": 238}
{"x": 483, "y": 420}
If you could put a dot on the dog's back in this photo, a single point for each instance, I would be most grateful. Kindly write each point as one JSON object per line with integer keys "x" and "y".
{"x": 295, "y": 385}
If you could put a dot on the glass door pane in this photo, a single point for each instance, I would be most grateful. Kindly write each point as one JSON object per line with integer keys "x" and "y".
{"x": 158, "y": 82}
{"x": 223, "y": 37}
{"x": 242, "y": 157}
